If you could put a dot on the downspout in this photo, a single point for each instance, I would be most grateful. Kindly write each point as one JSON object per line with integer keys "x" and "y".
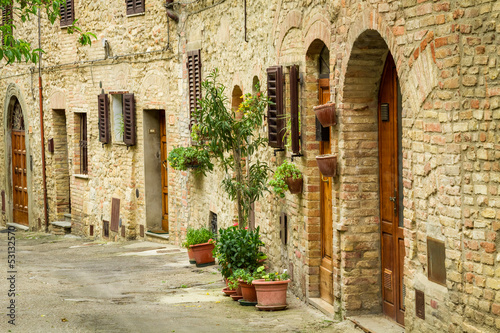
{"x": 44, "y": 176}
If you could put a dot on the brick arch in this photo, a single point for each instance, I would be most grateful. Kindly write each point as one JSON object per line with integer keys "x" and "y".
{"x": 317, "y": 29}
{"x": 57, "y": 101}
{"x": 291, "y": 21}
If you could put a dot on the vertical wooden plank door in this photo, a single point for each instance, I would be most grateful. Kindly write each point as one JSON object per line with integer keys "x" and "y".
{"x": 19, "y": 178}
{"x": 164, "y": 172}
{"x": 392, "y": 238}
{"x": 326, "y": 266}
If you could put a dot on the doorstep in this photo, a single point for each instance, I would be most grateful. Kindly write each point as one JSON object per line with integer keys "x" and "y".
{"x": 157, "y": 238}
{"x": 376, "y": 324}
{"x": 18, "y": 226}
{"x": 323, "y": 306}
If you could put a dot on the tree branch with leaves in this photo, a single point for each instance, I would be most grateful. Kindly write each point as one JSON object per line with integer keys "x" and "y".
{"x": 21, "y": 11}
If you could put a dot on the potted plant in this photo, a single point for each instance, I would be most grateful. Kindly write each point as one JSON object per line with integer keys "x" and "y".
{"x": 234, "y": 283}
{"x": 286, "y": 177}
{"x": 327, "y": 164}
{"x": 271, "y": 290}
{"x": 247, "y": 288}
{"x": 326, "y": 114}
{"x": 202, "y": 245}
{"x": 190, "y": 239}
{"x": 232, "y": 139}
{"x": 196, "y": 158}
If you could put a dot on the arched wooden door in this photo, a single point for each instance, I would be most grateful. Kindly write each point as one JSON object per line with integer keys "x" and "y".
{"x": 391, "y": 208}
{"x": 19, "y": 168}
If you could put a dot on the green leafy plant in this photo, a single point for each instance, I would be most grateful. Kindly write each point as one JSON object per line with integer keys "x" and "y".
{"x": 197, "y": 236}
{"x": 284, "y": 171}
{"x": 275, "y": 276}
{"x": 182, "y": 158}
{"x": 257, "y": 274}
{"x": 233, "y": 279}
{"x": 287, "y": 129}
{"x": 231, "y": 139}
{"x": 238, "y": 248}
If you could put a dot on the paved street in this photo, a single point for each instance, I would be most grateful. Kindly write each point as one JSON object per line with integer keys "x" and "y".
{"x": 69, "y": 284}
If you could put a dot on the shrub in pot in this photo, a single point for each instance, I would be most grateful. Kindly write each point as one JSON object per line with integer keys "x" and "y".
{"x": 286, "y": 177}
{"x": 194, "y": 157}
{"x": 271, "y": 291}
{"x": 200, "y": 241}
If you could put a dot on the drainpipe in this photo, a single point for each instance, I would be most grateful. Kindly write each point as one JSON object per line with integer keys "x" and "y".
{"x": 44, "y": 176}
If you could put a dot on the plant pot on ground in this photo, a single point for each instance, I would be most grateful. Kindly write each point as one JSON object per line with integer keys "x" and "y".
{"x": 326, "y": 114}
{"x": 199, "y": 241}
{"x": 286, "y": 177}
{"x": 327, "y": 165}
{"x": 203, "y": 254}
{"x": 191, "y": 256}
{"x": 271, "y": 291}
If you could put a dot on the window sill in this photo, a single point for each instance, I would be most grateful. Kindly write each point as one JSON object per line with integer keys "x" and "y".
{"x": 81, "y": 176}
{"x": 119, "y": 143}
{"x": 137, "y": 14}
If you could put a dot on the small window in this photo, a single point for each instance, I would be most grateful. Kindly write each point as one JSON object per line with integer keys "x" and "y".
{"x": 7, "y": 18}
{"x": 118, "y": 124}
{"x": 83, "y": 144}
{"x": 135, "y": 7}
{"x": 67, "y": 10}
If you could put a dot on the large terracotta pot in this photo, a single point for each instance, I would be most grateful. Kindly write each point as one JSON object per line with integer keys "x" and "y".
{"x": 294, "y": 185}
{"x": 327, "y": 164}
{"x": 248, "y": 292}
{"x": 203, "y": 254}
{"x": 191, "y": 256}
{"x": 271, "y": 295}
{"x": 326, "y": 114}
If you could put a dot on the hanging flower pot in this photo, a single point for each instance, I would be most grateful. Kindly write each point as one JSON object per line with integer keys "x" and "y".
{"x": 327, "y": 165}
{"x": 294, "y": 185}
{"x": 326, "y": 114}
{"x": 203, "y": 254}
{"x": 271, "y": 295}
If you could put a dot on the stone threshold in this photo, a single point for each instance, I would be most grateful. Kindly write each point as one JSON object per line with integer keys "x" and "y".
{"x": 18, "y": 226}
{"x": 158, "y": 238}
{"x": 61, "y": 224}
{"x": 376, "y": 323}
{"x": 322, "y": 306}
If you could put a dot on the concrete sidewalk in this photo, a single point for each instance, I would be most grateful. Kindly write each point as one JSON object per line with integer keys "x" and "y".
{"x": 68, "y": 284}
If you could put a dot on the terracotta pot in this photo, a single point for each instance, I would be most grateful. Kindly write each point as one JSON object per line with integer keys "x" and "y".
{"x": 191, "y": 256}
{"x": 248, "y": 292}
{"x": 327, "y": 164}
{"x": 271, "y": 294}
{"x": 326, "y": 114}
{"x": 203, "y": 254}
{"x": 294, "y": 185}
{"x": 238, "y": 290}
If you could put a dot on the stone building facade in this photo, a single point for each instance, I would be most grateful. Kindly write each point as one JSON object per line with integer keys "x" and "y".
{"x": 413, "y": 194}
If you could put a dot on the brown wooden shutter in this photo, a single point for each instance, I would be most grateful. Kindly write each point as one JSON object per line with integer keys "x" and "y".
{"x": 67, "y": 13}
{"x": 129, "y": 120}
{"x": 194, "y": 77}
{"x": 135, "y": 6}
{"x": 275, "y": 109}
{"x": 115, "y": 214}
{"x": 7, "y": 18}
{"x": 294, "y": 108}
{"x": 103, "y": 112}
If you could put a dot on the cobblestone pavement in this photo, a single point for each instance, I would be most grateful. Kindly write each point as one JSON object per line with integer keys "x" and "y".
{"x": 69, "y": 284}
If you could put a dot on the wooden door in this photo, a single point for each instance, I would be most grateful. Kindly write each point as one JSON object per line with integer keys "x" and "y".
{"x": 392, "y": 238}
{"x": 326, "y": 267}
{"x": 19, "y": 178}
{"x": 164, "y": 173}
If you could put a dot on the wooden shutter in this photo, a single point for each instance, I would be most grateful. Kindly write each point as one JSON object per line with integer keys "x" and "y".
{"x": 294, "y": 108}
{"x": 275, "y": 109}
{"x": 67, "y": 13}
{"x": 103, "y": 110}
{"x": 7, "y": 18}
{"x": 194, "y": 77}
{"x": 135, "y": 6}
{"x": 129, "y": 120}
{"x": 115, "y": 214}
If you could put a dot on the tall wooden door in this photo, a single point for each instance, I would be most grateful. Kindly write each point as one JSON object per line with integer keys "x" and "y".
{"x": 326, "y": 266}
{"x": 392, "y": 239}
{"x": 19, "y": 178}
{"x": 164, "y": 173}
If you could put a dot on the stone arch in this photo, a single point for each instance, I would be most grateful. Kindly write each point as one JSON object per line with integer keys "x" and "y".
{"x": 291, "y": 21}
{"x": 57, "y": 101}
{"x": 12, "y": 96}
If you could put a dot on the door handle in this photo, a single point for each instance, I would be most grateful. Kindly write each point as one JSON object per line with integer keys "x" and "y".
{"x": 393, "y": 199}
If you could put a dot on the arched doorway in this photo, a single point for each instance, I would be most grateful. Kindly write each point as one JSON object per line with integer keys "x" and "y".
{"x": 372, "y": 158}
{"x": 19, "y": 163}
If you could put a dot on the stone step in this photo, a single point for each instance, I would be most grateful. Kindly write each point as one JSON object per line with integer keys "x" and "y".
{"x": 157, "y": 238}
{"x": 67, "y": 217}
{"x": 18, "y": 226}
{"x": 60, "y": 227}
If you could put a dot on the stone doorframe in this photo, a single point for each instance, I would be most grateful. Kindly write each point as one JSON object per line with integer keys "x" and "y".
{"x": 13, "y": 91}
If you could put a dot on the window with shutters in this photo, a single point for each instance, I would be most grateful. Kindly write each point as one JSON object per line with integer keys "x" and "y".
{"x": 123, "y": 118}
{"x": 7, "y": 18}
{"x": 83, "y": 144}
{"x": 67, "y": 9}
{"x": 294, "y": 110}
{"x": 135, "y": 7}
{"x": 194, "y": 79}
{"x": 275, "y": 112}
